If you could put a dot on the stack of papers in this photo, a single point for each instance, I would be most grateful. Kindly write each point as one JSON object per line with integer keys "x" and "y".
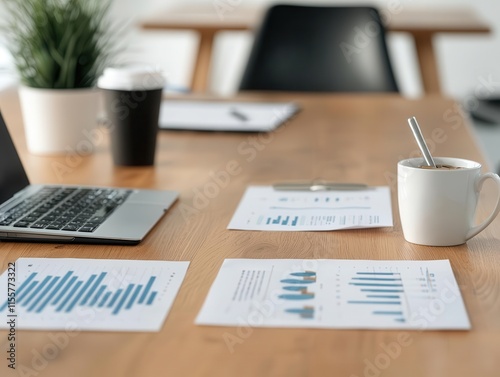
{"x": 224, "y": 116}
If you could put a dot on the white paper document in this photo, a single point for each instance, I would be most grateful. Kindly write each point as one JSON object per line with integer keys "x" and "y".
{"x": 224, "y": 116}
{"x": 89, "y": 294}
{"x": 263, "y": 208}
{"x": 355, "y": 294}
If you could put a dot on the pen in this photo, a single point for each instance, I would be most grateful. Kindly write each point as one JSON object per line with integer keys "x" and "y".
{"x": 238, "y": 114}
{"x": 320, "y": 186}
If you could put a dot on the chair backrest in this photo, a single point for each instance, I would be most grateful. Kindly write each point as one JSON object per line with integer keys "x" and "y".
{"x": 320, "y": 49}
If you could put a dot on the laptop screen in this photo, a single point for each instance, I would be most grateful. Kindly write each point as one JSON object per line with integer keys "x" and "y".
{"x": 13, "y": 178}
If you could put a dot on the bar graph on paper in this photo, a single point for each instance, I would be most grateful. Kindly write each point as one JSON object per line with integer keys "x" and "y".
{"x": 120, "y": 295}
{"x": 265, "y": 209}
{"x": 335, "y": 293}
{"x": 371, "y": 293}
{"x": 386, "y": 294}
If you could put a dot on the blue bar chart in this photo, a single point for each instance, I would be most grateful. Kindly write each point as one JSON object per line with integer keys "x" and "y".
{"x": 265, "y": 209}
{"x": 299, "y": 286}
{"x": 382, "y": 291}
{"x": 387, "y": 295}
{"x": 115, "y": 292}
{"x": 283, "y": 220}
{"x": 335, "y": 293}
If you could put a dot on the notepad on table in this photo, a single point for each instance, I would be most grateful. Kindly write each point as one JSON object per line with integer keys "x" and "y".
{"x": 225, "y": 116}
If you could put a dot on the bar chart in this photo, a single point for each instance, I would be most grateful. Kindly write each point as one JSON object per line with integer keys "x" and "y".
{"x": 336, "y": 294}
{"x": 51, "y": 292}
{"x": 265, "y": 209}
{"x": 380, "y": 290}
{"x": 283, "y": 220}
{"x": 299, "y": 286}
{"x": 386, "y": 294}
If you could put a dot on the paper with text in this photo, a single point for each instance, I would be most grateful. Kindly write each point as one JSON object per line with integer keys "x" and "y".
{"x": 358, "y": 294}
{"x": 89, "y": 294}
{"x": 263, "y": 208}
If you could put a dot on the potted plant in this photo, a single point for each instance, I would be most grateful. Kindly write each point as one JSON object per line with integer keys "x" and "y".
{"x": 60, "y": 48}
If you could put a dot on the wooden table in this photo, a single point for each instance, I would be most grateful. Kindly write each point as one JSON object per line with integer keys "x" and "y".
{"x": 422, "y": 23}
{"x": 340, "y": 138}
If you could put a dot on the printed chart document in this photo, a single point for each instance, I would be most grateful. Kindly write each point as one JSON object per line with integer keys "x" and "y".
{"x": 90, "y": 294}
{"x": 355, "y": 294}
{"x": 263, "y": 208}
{"x": 224, "y": 116}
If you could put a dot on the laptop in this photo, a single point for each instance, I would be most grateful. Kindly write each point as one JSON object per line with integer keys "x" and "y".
{"x": 66, "y": 214}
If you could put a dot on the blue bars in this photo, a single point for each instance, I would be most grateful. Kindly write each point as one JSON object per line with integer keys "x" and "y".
{"x": 30, "y": 287}
{"x": 294, "y": 288}
{"x": 122, "y": 300}
{"x": 297, "y": 281}
{"x": 38, "y": 289}
{"x": 42, "y": 295}
{"x": 115, "y": 297}
{"x": 94, "y": 287}
{"x": 65, "y": 291}
{"x": 80, "y": 293}
{"x": 68, "y": 297}
{"x": 19, "y": 290}
{"x": 53, "y": 293}
{"x": 378, "y": 279}
{"x": 98, "y": 294}
{"x": 282, "y": 220}
{"x": 151, "y": 298}
{"x": 305, "y": 273}
{"x": 307, "y": 312}
{"x": 147, "y": 289}
{"x": 382, "y": 289}
{"x": 303, "y": 296}
{"x": 384, "y": 296}
{"x": 134, "y": 296}
{"x": 25, "y": 283}
{"x": 104, "y": 299}
{"x": 380, "y": 312}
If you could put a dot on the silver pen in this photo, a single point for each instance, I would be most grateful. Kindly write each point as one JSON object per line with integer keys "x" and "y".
{"x": 318, "y": 186}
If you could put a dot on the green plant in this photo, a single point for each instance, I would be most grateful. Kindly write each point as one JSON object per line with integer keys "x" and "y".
{"x": 59, "y": 44}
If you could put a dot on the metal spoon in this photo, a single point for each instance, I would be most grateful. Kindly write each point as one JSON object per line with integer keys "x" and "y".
{"x": 421, "y": 142}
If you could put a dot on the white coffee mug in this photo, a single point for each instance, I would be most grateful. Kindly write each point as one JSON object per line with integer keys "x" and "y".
{"x": 437, "y": 206}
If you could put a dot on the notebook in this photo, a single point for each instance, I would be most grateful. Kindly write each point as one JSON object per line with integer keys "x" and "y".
{"x": 80, "y": 214}
{"x": 225, "y": 116}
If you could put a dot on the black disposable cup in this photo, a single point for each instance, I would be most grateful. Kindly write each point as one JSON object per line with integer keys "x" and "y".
{"x": 132, "y": 117}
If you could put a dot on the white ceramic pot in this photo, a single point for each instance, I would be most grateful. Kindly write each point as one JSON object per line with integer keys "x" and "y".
{"x": 59, "y": 121}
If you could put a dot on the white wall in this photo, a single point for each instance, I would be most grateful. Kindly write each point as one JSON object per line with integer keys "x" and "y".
{"x": 464, "y": 61}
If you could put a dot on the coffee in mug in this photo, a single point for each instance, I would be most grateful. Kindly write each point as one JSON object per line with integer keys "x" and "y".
{"x": 437, "y": 205}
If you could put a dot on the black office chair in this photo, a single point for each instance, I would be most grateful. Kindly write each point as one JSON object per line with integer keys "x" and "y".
{"x": 320, "y": 49}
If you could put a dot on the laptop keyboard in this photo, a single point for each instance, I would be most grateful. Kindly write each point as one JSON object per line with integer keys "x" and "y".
{"x": 65, "y": 208}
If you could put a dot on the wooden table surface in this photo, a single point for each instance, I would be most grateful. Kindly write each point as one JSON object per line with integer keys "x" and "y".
{"x": 340, "y": 138}
{"x": 422, "y": 23}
